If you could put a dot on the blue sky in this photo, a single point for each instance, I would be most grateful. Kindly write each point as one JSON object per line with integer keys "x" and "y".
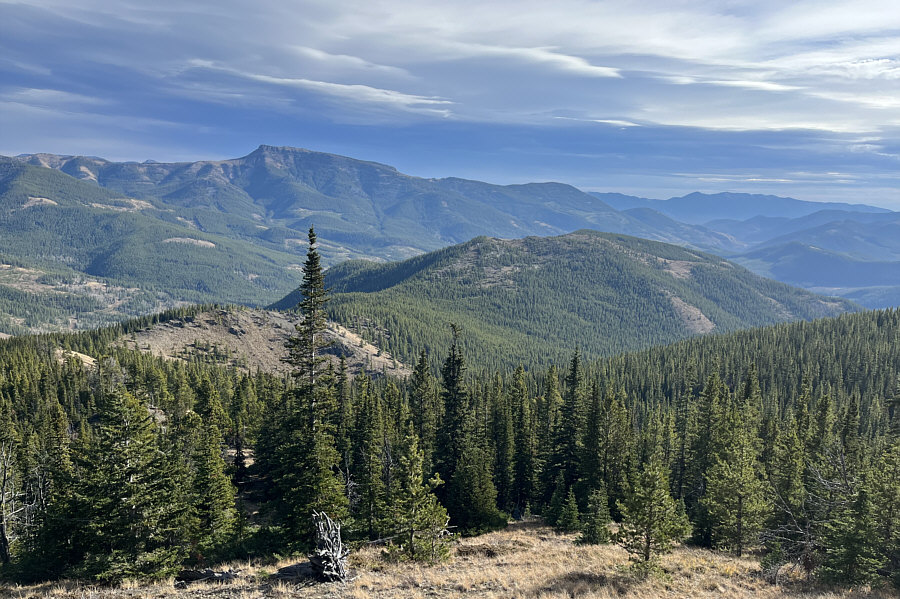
{"x": 653, "y": 98}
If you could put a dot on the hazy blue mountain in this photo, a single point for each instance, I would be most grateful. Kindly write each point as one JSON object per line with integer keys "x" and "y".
{"x": 871, "y": 283}
{"x": 761, "y": 229}
{"x": 700, "y": 208}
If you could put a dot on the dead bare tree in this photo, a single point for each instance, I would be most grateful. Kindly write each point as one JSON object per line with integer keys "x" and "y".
{"x": 329, "y": 560}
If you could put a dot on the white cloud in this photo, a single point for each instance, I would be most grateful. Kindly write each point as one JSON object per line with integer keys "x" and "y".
{"x": 768, "y": 86}
{"x": 344, "y": 61}
{"x": 355, "y": 93}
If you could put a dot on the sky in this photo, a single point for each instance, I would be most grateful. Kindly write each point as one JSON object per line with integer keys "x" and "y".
{"x": 651, "y": 98}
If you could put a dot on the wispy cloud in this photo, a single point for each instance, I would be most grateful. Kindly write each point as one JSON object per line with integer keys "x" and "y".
{"x": 628, "y": 84}
{"x": 351, "y": 92}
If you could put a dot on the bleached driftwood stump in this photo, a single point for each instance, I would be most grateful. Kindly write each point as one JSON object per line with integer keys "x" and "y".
{"x": 329, "y": 561}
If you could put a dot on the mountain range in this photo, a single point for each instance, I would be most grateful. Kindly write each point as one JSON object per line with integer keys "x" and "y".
{"x": 156, "y": 234}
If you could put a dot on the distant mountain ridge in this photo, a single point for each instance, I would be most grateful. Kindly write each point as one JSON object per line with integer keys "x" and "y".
{"x": 361, "y": 209}
{"x": 701, "y": 208}
{"x": 235, "y": 230}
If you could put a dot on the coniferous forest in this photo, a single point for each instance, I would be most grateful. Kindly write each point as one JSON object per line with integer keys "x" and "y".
{"x": 782, "y": 442}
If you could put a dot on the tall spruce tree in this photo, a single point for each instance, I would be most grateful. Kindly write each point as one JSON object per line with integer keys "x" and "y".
{"x": 215, "y": 495}
{"x": 568, "y": 430}
{"x": 736, "y": 491}
{"x": 455, "y": 398}
{"x": 524, "y": 462}
{"x": 426, "y": 409}
{"x": 595, "y": 525}
{"x": 308, "y": 475}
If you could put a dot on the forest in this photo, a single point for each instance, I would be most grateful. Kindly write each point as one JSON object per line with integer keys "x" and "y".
{"x": 783, "y": 442}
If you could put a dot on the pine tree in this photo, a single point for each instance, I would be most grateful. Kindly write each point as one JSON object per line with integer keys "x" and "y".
{"x": 651, "y": 520}
{"x": 308, "y": 474}
{"x": 426, "y": 408}
{"x": 545, "y": 423}
{"x": 215, "y": 494}
{"x": 735, "y": 489}
{"x": 569, "y": 520}
{"x": 736, "y": 499}
{"x": 851, "y": 549}
{"x": 554, "y": 509}
{"x": 705, "y": 447}
{"x": 368, "y": 471}
{"x": 209, "y": 404}
{"x": 418, "y": 518}
{"x": 125, "y": 501}
{"x": 503, "y": 440}
{"x": 569, "y": 428}
{"x": 455, "y": 407}
{"x": 471, "y": 495}
{"x": 11, "y": 491}
{"x": 524, "y": 460}
{"x": 595, "y": 526}
{"x": 885, "y": 497}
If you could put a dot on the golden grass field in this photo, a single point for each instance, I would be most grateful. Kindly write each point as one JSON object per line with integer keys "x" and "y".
{"x": 526, "y": 560}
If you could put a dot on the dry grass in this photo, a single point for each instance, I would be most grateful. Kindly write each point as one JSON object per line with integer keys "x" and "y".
{"x": 523, "y": 561}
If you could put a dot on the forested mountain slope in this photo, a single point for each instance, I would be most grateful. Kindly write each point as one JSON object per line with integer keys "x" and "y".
{"x": 69, "y": 233}
{"x": 531, "y": 300}
{"x": 361, "y": 209}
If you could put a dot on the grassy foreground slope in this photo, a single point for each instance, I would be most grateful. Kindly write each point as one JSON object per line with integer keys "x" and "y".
{"x": 524, "y": 561}
{"x": 533, "y": 300}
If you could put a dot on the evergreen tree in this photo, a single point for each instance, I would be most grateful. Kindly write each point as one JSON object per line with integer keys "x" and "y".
{"x": 503, "y": 441}
{"x": 368, "y": 470}
{"x": 545, "y": 423}
{"x": 215, "y": 494}
{"x": 735, "y": 490}
{"x": 651, "y": 520}
{"x": 567, "y": 433}
{"x": 471, "y": 495}
{"x": 308, "y": 474}
{"x": 125, "y": 501}
{"x": 456, "y": 406}
{"x": 885, "y": 498}
{"x": 851, "y": 551}
{"x": 418, "y": 518}
{"x": 595, "y": 527}
{"x": 568, "y": 520}
{"x": 524, "y": 459}
{"x": 554, "y": 509}
{"x": 426, "y": 408}
{"x": 705, "y": 447}
{"x": 11, "y": 492}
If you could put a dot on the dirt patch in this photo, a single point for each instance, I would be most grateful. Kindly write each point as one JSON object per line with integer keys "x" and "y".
{"x": 62, "y": 355}
{"x": 680, "y": 269}
{"x": 197, "y": 242}
{"x": 32, "y": 201}
{"x": 254, "y": 339}
{"x": 694, "y": 320}
{"x": 87, "y": 173}
{"x": 187, "y": 222}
